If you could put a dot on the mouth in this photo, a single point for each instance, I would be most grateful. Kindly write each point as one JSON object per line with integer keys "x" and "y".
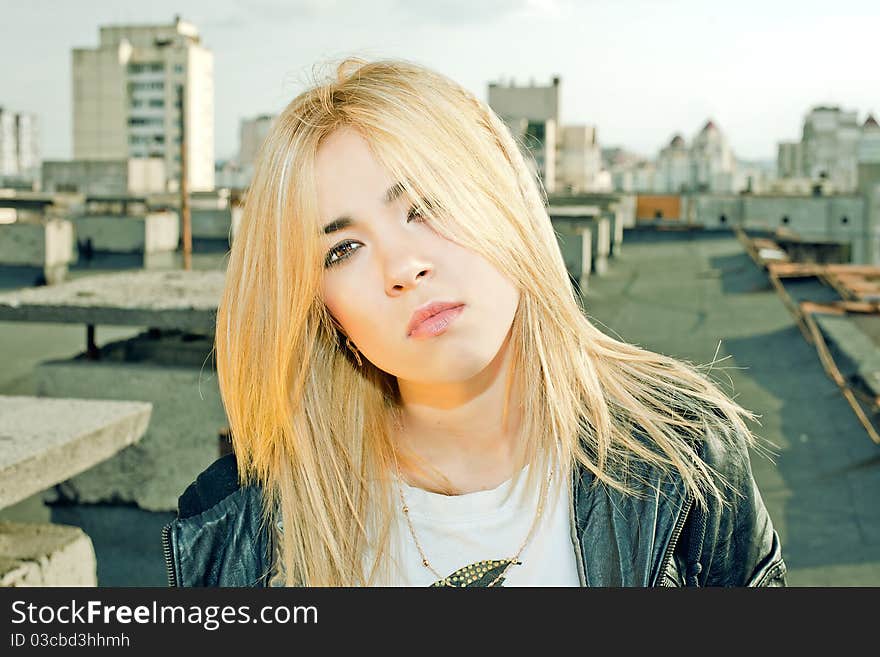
{"x": 433, "y": 319}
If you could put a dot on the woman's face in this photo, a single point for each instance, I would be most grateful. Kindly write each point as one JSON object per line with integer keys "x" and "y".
{"x": 384, "y": 262}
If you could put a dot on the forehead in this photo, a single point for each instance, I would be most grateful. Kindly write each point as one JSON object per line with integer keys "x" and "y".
{"x": 347, "y": 173}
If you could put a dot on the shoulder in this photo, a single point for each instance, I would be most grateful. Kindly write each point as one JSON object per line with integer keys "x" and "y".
{"x": 218, "y": 537}
{"x": 216, "y": 483}
{"x": 735, "y": 540}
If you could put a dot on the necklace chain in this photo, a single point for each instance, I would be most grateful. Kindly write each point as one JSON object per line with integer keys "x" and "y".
{"x": 427, "y": 564}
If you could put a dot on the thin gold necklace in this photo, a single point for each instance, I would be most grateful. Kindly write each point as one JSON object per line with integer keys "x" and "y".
{"x": 513, "y": 560}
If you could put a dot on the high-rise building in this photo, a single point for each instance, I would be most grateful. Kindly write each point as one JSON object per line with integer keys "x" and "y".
{"x": 674, "y": 167}
{"x": 580, "y": 162}
{"x": 830, "y": 143}
{"x": 712, "y": 162}
{"x": 8, "y": 144}
{"x": 19, "y": 145}
{"x": 790, "y": 159}
{"x": 532, "y": 114}
{"x": 706, "y": 165}
{"x": 127, "y": 94}
{"x": 253, "y": 132}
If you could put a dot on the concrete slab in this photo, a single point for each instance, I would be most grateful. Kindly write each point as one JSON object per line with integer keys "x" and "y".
{"x": 161, "y": 299}
{"x": 45, "y": 555}
{"x": 45, "y": 441}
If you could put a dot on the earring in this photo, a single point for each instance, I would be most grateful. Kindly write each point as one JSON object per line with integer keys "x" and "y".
{"x": 354, "y": 350}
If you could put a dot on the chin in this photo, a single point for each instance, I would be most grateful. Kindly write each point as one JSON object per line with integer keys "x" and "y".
{"x": 450, "y": 368}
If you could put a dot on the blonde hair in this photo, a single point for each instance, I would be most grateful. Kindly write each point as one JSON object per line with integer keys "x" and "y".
{"x": 314, "y": 429}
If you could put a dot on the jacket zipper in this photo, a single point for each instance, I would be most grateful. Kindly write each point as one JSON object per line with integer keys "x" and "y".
{"x": 579, "y": 556}
{"x": 166, "y": 549}
{"x": 676, "y": 532}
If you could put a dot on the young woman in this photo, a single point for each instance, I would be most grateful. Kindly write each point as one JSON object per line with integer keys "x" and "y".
{"x": 415, "y": 395}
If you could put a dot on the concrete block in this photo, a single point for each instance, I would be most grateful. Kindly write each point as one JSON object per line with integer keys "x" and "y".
{"x": 156, "y": 231}
{"x": 45, "y": 441}
{"x": 796, "y": 213}
{"x": 575, "y": 245}
{"x": 714, "y": 212}
{"x": 173, "y": 373}
{"x": 46, "y": 555}
{"x": 162, "y": 299}
{"x": 213, "y": 223}
{"x": 37, "y": 243}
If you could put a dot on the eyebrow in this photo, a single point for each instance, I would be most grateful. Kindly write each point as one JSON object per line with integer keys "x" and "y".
{"x": 394, "y": 192}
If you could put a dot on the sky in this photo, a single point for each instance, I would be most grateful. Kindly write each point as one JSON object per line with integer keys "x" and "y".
{"x": 638, "y": 70}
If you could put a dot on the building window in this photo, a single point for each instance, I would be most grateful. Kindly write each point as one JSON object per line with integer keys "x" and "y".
{"x": 157, "y": 102}
{"x": 146, "y": 67}
{"x": 178, "y": 68}
{"x": 156, "y": 85}
{"x": 146, "y": 120}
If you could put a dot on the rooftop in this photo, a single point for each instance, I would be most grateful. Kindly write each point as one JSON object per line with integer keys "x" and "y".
{"x": 687, "y": 293}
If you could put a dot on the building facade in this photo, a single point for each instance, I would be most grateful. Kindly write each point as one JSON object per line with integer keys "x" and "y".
{"x": 136, "y": 177}
{"x": 712, "y": 163}
{"x": 580, "y": 161}
{"x": 532, "y": 115}
{"x": 253, "y": 133}
{"x": 19, "y": 145}
{"x": 830, "y": 143}
{"x": 673, "y": 172}
{"x": 127, "y": 97}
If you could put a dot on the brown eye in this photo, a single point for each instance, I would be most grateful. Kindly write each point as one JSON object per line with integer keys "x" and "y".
{"x": 339, "y": 253}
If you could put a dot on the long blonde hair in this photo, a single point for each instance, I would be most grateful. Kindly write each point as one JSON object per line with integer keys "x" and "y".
{"x": 313, "y": 428}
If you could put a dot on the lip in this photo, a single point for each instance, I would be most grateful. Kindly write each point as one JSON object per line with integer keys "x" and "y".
{"x": 433, "y": 318}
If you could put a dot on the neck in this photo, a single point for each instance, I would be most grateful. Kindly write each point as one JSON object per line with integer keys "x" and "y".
{"x": 461, "y": 437}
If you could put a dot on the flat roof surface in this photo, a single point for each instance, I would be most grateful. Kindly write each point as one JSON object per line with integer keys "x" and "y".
{"x": 681, "y": 294}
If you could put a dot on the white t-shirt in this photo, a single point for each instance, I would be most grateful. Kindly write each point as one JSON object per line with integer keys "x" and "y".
{"x": 460, "y": 530}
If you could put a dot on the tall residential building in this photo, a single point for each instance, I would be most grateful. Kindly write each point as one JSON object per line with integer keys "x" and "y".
{"x": 8, "y": 144}
{"x": 580, "y": 162}
{"x": 253, "y": 132}
{"x": 830, "y": 143}
{"x": 869, "y": 181}
{"x": 790, "y": 159}
{"x": 19, "y": 145}
{"x": 126, "y": 99}
{"x": 712, "y": 163}
{"x": 674, "y": 167}
{"x": 869, "y": 157}
{"x": 532, "y": 114}
{"x": 706, "y": 165}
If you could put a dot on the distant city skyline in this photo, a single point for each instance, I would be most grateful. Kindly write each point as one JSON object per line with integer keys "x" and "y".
{"x": 639, "y": 71}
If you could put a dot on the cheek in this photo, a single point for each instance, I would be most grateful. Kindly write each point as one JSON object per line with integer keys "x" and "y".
{"x": 347, "y": 304}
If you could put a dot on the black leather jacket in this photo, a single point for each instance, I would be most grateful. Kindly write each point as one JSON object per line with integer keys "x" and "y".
{"x": 664, "y": 540}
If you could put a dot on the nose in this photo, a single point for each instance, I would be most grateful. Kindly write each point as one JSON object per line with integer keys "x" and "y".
{"x": 404, "y": 269}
